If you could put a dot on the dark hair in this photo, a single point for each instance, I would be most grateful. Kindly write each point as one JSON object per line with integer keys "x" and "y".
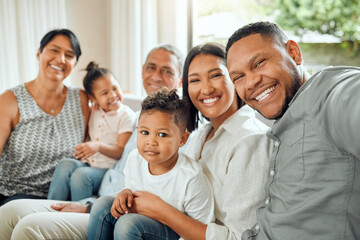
{"x": 75, "y": 45}
{"x": 167, "y": 101}
{"x": 173, "y": 50}
{"x": 93, "y": 73}
{"x": 214, "y": 49}
{"x": 266, "y": 29}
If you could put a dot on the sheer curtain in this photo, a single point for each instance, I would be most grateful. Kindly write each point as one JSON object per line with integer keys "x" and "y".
{"x": 22, "y": 25}
{"x": 136, "y": 27}
{"x": 133, "y": 34}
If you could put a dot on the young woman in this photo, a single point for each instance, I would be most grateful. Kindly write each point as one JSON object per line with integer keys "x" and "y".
{"x": 41, "y": 121}
{"x": 232, "y": 149}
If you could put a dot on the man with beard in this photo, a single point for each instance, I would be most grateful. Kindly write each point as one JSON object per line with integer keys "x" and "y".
{"x": 313, "y": 188}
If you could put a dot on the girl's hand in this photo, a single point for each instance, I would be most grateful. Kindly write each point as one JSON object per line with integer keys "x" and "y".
{"x": 86, "y": 149}
{"x": 147, "y": 204}
{"x": 122, "y": 203}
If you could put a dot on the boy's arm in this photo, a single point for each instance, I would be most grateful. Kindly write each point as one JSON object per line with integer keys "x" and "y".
{"x": 152, "y": 206}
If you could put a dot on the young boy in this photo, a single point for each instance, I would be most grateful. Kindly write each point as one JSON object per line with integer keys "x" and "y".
{"x": 157, "y": 167}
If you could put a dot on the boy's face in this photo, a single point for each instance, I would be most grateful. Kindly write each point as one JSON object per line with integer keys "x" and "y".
{"x": 158, "y": 140}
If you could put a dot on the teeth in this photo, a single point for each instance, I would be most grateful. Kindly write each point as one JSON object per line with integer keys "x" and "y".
{"x": 154, "y": 86}
{"x": 56, "y": 67}
{"x": 114, "y": 102}
{"x": 264, "y": 94}
{"x": 210, "y": 100}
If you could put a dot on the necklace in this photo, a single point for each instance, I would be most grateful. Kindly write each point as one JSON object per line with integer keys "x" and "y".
{"x": 43, "y": 103}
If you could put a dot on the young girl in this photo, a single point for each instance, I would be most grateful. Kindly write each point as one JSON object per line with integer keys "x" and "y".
{"x": 110, "y": 126}
{"x": 232, "y": 149}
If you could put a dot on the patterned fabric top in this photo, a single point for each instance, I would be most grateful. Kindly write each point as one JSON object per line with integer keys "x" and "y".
{"x": 38, "y": 142}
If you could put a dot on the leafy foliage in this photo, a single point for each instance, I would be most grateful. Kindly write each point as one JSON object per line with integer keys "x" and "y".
{"x": 340, "y": 18}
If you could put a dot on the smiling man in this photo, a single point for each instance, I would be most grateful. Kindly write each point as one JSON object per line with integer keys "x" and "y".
{"x": 313, "y": 189}
{"x": 162, "y": 68}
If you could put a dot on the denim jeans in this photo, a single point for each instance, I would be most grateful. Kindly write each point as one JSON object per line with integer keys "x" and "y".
{"x": 74, "y": 177}
{"x": 102, "y": 225}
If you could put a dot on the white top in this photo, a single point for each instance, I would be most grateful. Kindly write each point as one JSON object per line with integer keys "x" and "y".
{"x": 235, "y": 160}
{"x": 184, "y": 187}
{"x": 105, "y": 127}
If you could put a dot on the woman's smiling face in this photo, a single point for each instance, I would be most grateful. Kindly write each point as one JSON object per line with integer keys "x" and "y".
{"x": 210, "y": 88}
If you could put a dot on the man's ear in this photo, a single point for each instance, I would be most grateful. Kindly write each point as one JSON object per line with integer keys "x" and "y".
{"x": 294, "y": 51}
{"x": 180, "y": 82}
{"x": 184, "y": 138}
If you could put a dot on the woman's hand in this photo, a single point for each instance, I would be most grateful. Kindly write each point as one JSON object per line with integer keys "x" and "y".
{"x": 148, "y": 204}
{"x": 86, "y": 149}
{"x": 122, "y": 203}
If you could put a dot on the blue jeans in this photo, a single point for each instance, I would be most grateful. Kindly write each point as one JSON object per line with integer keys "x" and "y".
{"x": 75, "y": 178}
{"x": 102, "y": 225}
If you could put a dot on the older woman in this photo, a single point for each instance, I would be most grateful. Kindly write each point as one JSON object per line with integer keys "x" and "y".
{"x": 41, "y": 121}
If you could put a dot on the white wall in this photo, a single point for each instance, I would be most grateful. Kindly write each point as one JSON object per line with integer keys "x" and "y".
{"x": 90, "y": 21}
{"x": 101, "y": 40}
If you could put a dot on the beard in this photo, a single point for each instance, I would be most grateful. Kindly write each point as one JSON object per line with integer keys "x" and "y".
{"x": 290, "y": 93}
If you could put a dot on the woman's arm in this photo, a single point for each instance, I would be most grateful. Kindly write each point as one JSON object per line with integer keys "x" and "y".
{"x": 152, "y": 206}
{"x": 9, "y": 116}
{"x": 86, "y": 110}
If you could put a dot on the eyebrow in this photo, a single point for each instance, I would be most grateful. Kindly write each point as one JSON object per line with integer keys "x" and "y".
{"x": 209, "y": 71}
{"x": 158, "y": 129}
{"x": 249, "y": 62}
{"x": 153, "y": 64}
{"x": 58, "y": 47}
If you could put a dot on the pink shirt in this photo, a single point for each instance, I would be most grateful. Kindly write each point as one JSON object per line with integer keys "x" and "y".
{"x": 105, "y": 127}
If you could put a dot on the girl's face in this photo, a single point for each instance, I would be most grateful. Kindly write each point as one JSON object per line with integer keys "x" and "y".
{"x": 57, "y": 59}
{"x": 107, "y": 93}
{"x": 210, "y": 88}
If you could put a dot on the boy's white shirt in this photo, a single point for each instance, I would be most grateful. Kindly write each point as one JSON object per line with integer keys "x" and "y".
{"x": 184, "y": 187}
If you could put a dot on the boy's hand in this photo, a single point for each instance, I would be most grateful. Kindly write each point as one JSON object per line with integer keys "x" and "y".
{"x": 86, "y": 149}
{"x": 122, "y": 203}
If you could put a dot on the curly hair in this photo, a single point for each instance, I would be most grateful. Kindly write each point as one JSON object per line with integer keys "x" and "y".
{"x": 167, "y": 101}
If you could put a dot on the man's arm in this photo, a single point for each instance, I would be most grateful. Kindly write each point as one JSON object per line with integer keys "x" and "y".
{"x": 340, "y": 112}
